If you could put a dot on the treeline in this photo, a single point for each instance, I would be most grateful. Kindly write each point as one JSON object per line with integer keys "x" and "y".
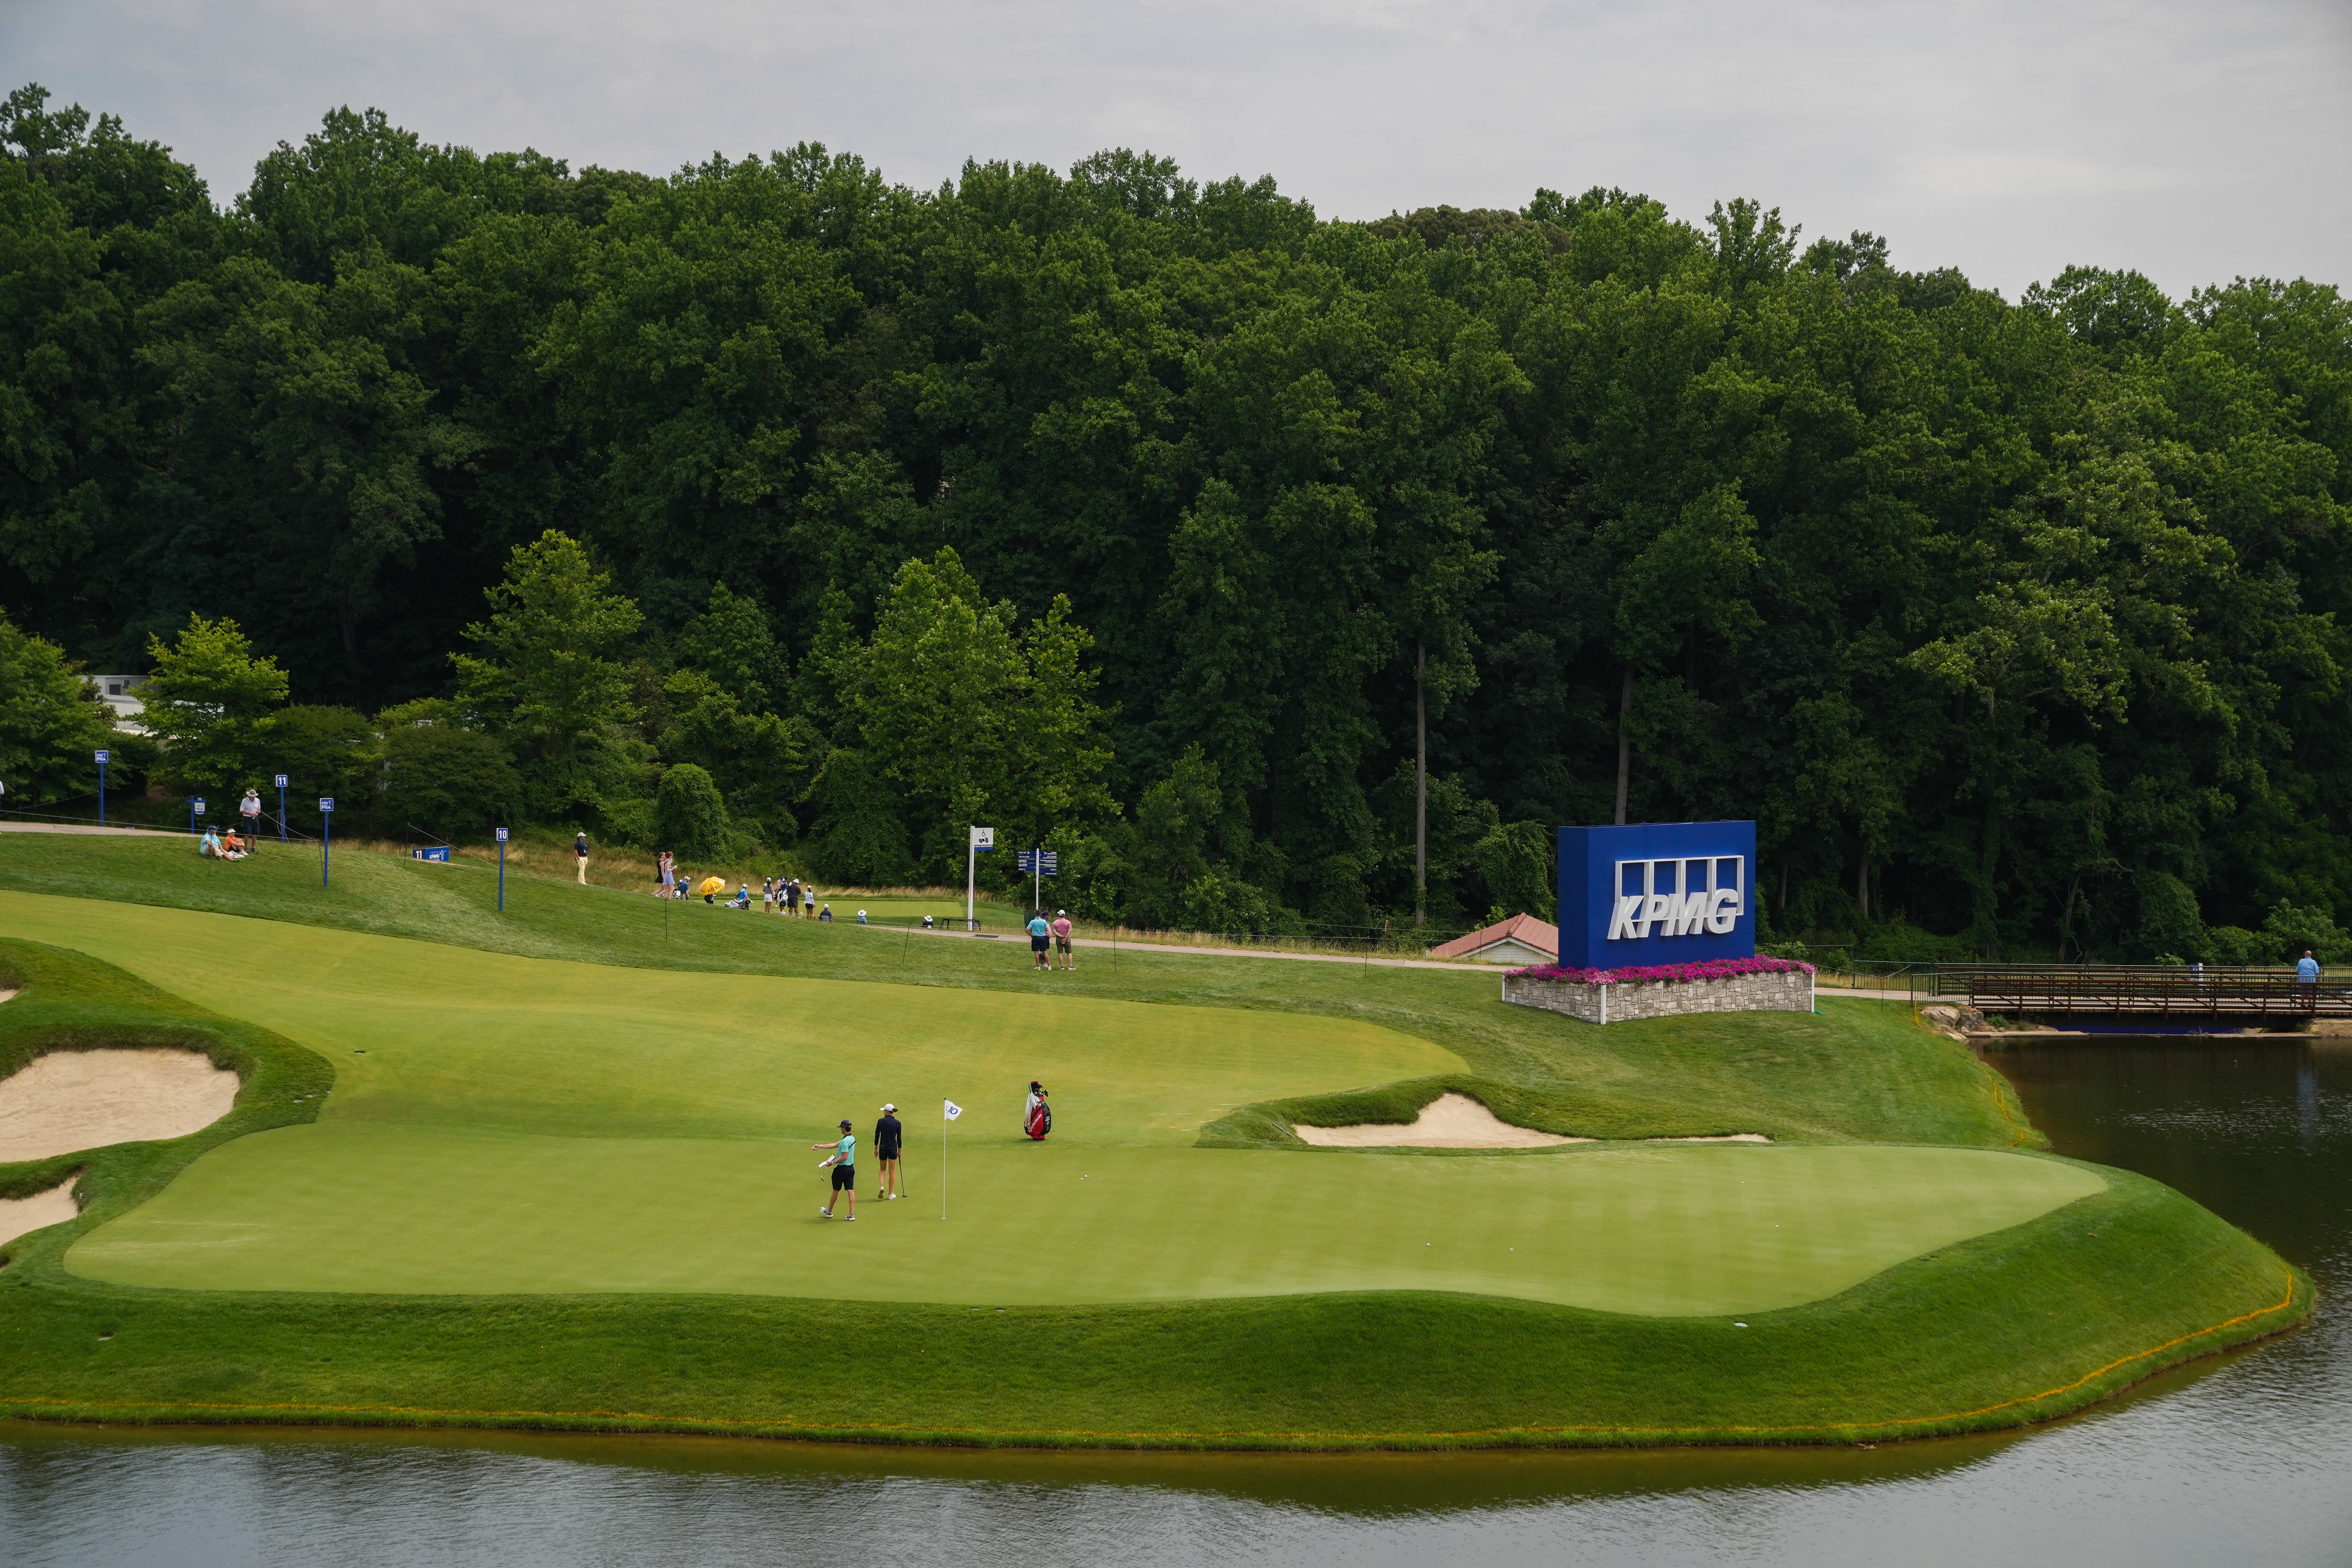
{"x": 1156, "y": 520}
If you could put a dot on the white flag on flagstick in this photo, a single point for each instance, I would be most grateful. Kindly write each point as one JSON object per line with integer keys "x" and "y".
{"x": 954, "y": 1110}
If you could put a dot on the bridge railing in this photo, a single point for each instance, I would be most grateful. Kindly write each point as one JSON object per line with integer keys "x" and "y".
{"x": 2130, "y": 988}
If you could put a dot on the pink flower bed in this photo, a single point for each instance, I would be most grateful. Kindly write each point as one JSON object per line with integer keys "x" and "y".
{"x": 1709, "y": 968}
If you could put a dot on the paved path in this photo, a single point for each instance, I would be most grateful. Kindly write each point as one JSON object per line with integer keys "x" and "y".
{"x": 1099, "y": 944}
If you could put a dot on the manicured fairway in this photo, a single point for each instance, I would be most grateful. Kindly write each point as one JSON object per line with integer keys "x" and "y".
{"x": 451, "y": 1035}
{"x": 1655, "y": 1232}
{"x": 513, "y": 1125}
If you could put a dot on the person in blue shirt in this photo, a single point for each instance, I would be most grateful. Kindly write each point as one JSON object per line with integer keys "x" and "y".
{"x": 2307, "y": 968}
{"x": 844, "y": 1165}
{"x": 1040, "y": 939}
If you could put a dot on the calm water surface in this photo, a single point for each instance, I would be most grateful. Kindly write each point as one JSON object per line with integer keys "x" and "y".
{"x": 2243, "y": 1460}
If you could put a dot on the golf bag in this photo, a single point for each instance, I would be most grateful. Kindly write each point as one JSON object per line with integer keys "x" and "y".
{"x": 1040, "y": 1117}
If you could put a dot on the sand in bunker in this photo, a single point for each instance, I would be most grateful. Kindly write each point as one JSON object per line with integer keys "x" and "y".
{"x": 1458, "y": 1121}
{"x": 20, "y": 1216}
{"x": 85, "y": 1100}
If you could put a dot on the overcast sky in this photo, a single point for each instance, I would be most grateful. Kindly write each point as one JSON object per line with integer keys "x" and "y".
{"x": 2195, "y": 139}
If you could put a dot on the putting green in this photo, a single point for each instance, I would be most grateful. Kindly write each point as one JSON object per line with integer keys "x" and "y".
{"x": 1655, "y": 1232}
{"x": 528, "y": 1125}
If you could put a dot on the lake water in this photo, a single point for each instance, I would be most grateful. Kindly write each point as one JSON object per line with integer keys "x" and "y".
{"x": 2243, "y": 1460}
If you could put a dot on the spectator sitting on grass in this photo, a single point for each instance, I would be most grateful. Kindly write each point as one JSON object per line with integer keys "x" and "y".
{"x": 210, "y": 848}
{"x": 826, "y": 913}
{"x": 742, "y": 899}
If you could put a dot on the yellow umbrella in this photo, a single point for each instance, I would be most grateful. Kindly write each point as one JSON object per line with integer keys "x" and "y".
{"x": 712, "y": 885}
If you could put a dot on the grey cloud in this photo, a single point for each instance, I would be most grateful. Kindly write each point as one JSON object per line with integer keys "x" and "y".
{"x": 2009, "y": 139}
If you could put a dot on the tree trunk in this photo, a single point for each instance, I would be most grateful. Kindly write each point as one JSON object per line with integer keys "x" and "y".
{"x": 1624, "y": 739}
{"x": 1986, "y": 927}
{"x": 1420, "y": 782}
{"x": 1862, "y": 883}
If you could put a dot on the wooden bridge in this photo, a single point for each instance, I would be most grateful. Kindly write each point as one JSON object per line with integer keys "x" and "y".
{"x": 2146, "y": 992}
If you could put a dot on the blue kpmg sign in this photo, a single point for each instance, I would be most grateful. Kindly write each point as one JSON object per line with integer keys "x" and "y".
{"x": 1662, "y": 892}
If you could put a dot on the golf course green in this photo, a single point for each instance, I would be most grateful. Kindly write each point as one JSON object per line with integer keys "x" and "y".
{"x": 566, "y": 1127}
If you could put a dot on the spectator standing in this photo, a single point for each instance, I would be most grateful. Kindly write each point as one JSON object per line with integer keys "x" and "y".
{"x": 251, "y": 809}
{"x": 664, "y": 875}
{"x": 1063, "y": 955}
{"x": 2306, "y": 970}
{"x": 1040, "y": 934}
{"x": 580, "y": 854}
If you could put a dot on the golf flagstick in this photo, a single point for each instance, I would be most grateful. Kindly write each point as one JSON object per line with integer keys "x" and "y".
{"x": 954, "y": 1111}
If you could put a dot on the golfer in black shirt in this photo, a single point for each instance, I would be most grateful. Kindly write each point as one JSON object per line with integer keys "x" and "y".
{"x": 886, "y": 1135}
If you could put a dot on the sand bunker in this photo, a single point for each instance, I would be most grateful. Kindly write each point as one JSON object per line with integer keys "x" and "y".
{"x": 85, "y": 1100}
{"x": 19, "y": 1217}
{"x": 6, "y": 994}
{"x": 1449, "y": 1121}
{"x": 1458, "y": 1121}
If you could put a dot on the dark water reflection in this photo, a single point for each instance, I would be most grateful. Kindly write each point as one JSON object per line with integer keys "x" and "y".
{"x": 2246, "y": 1460}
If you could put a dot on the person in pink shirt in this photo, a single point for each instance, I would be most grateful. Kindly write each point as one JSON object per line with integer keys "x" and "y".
{"x": 1069, "y": 960}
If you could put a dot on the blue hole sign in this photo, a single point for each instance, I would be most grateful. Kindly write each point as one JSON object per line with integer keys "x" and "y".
{"x": 502, "y": 835}
{"x": 326, "y": 803}
{"x": 100, "y": 756}
{"x": 281, "y": 781}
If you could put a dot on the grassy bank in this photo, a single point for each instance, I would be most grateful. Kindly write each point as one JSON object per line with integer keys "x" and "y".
{"x": 1858, "y": 1071}
{"x": 2020, "y": 1322}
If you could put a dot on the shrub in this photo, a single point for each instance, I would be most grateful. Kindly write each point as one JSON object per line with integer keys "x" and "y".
{"x": 1515, "y": 862}
{"x": 445, "y": 779}
{"x": 2168, "y": 921}
{"x": 688, "y": 816}
{"x": 2237, "y": 945}
{"x": 2294, "y": 927}
{"x": 858, "y": 838}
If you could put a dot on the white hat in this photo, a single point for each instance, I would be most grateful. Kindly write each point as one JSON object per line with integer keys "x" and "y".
{"x": 888, "y": 1108}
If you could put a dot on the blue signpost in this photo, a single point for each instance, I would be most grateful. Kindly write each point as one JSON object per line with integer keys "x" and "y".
{"x": 195, "y": 810}
{"x": 502, "y": 873}
{"x": 326, "y": 839}
{"x": 281, "y": 808}
{"x": 102, "y": 786}
{"x": 1661, "y": 892}
{"x": 1040, "y": 864}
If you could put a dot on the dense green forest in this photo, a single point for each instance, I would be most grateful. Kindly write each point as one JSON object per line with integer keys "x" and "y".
{"x": 773, "y": 504}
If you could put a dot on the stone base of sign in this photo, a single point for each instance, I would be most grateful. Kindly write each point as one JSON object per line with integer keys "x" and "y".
{"x": 1788, "y": 991}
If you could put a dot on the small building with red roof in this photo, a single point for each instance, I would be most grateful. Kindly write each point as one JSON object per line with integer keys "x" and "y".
{"x": 1522, "y": 940}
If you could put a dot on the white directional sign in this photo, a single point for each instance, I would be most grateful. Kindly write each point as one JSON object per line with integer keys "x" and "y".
{"x": 983, "y": 838}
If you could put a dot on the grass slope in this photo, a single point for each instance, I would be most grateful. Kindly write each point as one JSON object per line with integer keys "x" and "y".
{"x": 1855, "y": 1072}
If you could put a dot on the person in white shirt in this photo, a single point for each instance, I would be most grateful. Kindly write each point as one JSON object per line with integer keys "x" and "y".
{"x": 251, "y": 809}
